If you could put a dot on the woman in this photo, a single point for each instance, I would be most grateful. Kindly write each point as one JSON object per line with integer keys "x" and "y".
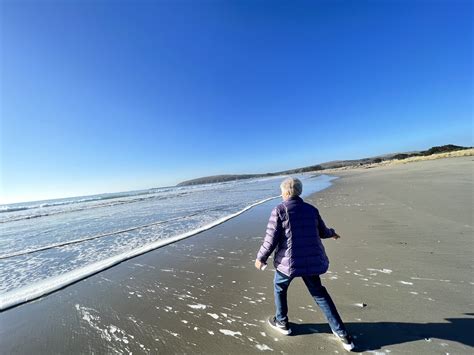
{"x": 294, "y": 232}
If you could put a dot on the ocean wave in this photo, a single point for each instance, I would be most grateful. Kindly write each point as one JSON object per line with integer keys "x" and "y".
{"x": 84, "y": 208}
{"x": 97, "y": 236}
{"x": 72, "y": 201}
{"x": 12, "y": 208}
{"x": 7, "y": 208}
{"x": 35, "y": 290}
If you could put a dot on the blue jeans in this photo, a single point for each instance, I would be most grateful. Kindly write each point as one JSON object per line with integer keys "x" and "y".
{"x": 320, "y": 295}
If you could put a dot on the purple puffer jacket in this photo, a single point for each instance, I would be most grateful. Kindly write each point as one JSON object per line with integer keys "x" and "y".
{"x": 294, "y": 231}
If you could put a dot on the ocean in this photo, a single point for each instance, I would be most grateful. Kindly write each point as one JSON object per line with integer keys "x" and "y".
{"x": 47, "y": 245}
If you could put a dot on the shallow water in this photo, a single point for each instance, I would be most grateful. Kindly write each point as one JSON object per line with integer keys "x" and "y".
{"x": 41, "y": 241}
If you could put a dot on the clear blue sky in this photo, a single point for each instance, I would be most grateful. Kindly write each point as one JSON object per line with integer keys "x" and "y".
{"x": 102, "y": 96}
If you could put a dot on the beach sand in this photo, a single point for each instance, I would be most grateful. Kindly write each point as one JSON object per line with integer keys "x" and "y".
{"x": 401, "y": 277}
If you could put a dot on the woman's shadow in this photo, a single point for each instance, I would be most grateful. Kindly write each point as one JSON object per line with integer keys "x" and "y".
{"x": 373, "y": 336}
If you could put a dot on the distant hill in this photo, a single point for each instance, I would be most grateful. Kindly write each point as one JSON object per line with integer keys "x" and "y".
{"x": 323, "y": 166}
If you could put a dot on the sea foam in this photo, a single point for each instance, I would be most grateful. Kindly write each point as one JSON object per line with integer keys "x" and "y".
{"x": 35, "y": 290}
{"x": 71, "y": 239}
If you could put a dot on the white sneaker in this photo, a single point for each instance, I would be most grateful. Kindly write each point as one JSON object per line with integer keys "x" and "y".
{"x": 282, "y": 327}
{"x": 346, "y": 341}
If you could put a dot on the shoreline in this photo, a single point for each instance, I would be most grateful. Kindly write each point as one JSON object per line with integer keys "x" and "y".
{"x": 49, "y": 285}
{"x": 397, "y": 255}
{"x": 43, "y": 288}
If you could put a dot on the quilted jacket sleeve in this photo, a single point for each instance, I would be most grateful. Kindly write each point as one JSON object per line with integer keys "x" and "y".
{"x": 272, "y": 236}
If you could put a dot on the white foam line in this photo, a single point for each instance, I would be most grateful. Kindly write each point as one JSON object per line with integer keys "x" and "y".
{"x": 428, "y": 279}
{"x": 385, "y": 271}
{"x": 85, "y": 239}
{"x": 41, "y": 288}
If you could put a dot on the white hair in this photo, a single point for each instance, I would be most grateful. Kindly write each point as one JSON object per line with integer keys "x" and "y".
{"x": 292, "y": 186}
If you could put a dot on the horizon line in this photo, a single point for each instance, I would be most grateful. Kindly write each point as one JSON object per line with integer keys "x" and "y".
{"x": 208, "y": 176}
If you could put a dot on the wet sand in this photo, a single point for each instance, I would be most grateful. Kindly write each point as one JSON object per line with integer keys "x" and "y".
{"x": 405, "y": 252}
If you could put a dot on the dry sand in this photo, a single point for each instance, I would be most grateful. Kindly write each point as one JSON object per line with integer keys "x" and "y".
{"x": 406, "y": 252}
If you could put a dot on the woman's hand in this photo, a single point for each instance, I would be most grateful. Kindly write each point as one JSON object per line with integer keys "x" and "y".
{"x": 258, "y": 264}
{"x": 336, "y": 236}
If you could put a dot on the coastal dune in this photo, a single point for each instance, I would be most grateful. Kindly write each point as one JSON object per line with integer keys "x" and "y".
{"x": 401, "y": 276}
